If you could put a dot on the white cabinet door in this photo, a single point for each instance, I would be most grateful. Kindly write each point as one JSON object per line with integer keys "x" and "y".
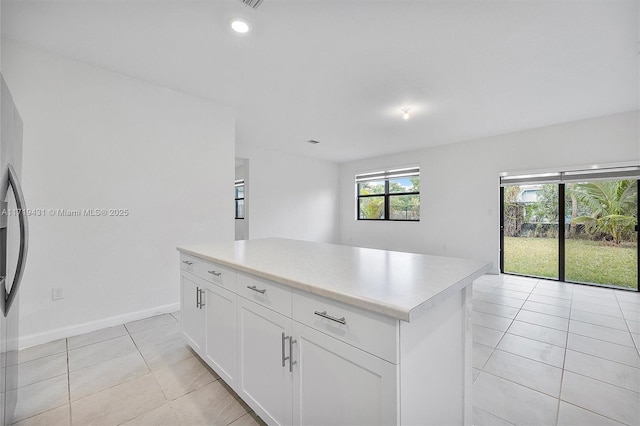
{"x": 338, "y": 384}
{"x": 191, "y": 311}
{"x": 264, "y": 377}
{"x": 221, "y": 342}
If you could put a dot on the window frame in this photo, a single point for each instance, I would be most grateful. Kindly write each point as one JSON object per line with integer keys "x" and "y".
{"x": 386, "y": 176}
{"x": 237, "y": 184}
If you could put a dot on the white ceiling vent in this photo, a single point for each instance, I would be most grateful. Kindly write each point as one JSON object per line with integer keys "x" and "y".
{"x": 252, "y": 3}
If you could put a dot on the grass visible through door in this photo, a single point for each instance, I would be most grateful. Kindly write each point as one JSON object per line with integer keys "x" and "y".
{"x": 586, "y": 261}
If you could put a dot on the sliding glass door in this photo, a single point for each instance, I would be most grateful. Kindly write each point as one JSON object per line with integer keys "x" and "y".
{"x": 601, "y": 240}
{"x": 530, "y": 229}
{"x": 571, "y": 226}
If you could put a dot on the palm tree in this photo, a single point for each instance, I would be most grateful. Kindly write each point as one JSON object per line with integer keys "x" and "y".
{"x": 613, "y": 206}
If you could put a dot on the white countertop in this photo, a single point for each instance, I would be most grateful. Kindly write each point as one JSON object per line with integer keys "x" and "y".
{"x": 392, "y": 283}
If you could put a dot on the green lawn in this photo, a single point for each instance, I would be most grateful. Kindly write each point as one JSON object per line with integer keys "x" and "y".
{"x": 586, "y": 261}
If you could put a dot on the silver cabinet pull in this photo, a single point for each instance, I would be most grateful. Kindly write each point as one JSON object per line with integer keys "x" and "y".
{"x": 284, "y": 358}
{"x": 198, "y": 297}
{"x": 214, "y": 273}
{"x": 201, "y": 298}
{"x": 186, "y": 262}
{"x": 291, "y": 361}
{"x": 259, "y": 290}
{"x": 324, "y": 314}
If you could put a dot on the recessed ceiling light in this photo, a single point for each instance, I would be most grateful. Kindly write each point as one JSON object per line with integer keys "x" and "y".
{"x": 240, "y": 26}
{"x": 405, "y": 113}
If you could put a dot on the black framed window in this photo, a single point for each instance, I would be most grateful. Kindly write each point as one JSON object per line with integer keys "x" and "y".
{"x": 239, "y": 199}
{"x": 389, "y": 195}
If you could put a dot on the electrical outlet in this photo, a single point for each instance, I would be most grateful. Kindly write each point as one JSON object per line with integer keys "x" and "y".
{"x": 56, "y": 294}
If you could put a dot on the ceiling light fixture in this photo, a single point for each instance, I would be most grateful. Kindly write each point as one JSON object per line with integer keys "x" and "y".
{"x": 406, "y": 114}
{"x": 240, "y": 26}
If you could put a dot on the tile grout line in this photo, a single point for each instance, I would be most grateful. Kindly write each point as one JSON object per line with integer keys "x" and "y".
{"x": 626, "y": 321}
{"x": 167, "y": 400}
{"x": 493, "y": 348}
{"x": 572, "y": 308}
{"x": 505, "y": 332}
{"x": 513, "y": 320}
{"x": 564, "y": 359}
{"x": 601, "y": 381}
{"x": 145, "y": 360}
{"x": 594, "y": 412}
{"x": 589, "y": 377}
{"x": 97, "y": 342}
{"x": 558, "y": 398}
{"x": 602, "y": 357}
{"x": 519, "y": 384}
{"x": 493, "y": 415}
{"x": 130, "y": 379}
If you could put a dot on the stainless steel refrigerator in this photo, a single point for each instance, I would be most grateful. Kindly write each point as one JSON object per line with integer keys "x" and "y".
{"x": 13, "y": 250}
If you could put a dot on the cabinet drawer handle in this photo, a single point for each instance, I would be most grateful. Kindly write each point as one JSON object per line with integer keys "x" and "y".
{"x": 214, "y": 273}
{"x": 186, "y": 262}
{"x": 323, "y": 314}
{"x": 198, "y": 294}
{"x": 259, "y": 290}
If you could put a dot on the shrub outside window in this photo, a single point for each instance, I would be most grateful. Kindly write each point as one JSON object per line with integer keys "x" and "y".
{"x": 240, "y": 199}
{"x": 389, "y": 195}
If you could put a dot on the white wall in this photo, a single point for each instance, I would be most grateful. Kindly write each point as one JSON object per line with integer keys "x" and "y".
{"x": 95, "y": 139}
{"x": 291, "y": 196}
{"x": 459, "y": 184}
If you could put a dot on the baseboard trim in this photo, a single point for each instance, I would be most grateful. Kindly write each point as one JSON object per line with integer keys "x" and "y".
{"x": 87, "y": 327}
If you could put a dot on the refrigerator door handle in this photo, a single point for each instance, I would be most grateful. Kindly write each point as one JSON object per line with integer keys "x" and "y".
{"x": 24, "y": 238}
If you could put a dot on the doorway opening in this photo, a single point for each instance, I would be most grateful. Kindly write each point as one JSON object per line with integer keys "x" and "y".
{"x": 579, "y": 227}
{"x": 241, "y": 192}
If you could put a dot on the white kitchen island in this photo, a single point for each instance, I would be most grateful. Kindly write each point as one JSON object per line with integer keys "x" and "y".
{"x": 312, "y": 333}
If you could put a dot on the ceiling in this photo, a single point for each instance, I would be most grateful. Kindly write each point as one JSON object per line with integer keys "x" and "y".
{"x": 340, "y": 71}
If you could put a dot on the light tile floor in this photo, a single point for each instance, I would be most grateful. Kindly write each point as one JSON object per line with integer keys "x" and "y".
{"x": 549, "y": 353}
{"x": 140, "y": 373}
{"x": 544, "y": 353}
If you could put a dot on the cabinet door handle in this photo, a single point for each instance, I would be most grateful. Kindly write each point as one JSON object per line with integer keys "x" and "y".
{"x": 259, "y": 290}
{"x": 10, "y": 296}
{"x": 214, "y": 273}
{"x": 284, "y": 358}
{"x": 291, "y": 361}
{"x": 186, "y": 262}
{"x": 201, "y": 298}
{"x": 324, "y": 314}
{"x": 198, "y": 297}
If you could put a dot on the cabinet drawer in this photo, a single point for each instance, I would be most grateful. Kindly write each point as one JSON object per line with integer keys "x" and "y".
{"x": 212, "y": 272}
{"x": 217, "y": 274}
{"x": 266, "y": 293}
{"x": 371, "y": 332}
{"x": 188, "y": 263}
